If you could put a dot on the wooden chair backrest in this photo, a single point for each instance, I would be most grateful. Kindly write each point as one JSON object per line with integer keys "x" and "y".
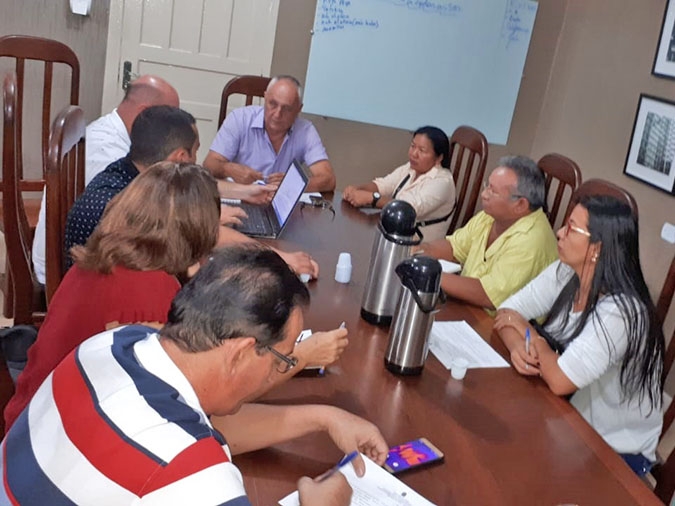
{"x": 468, "y": 158}
{"x": 561, "y": 174}
{"x": 65, "y": 182}
{"x": 602, "y": 187}
{"x": 22, "y": 48}
{"x": 18, "y": 236}
{"x": 251, "y": 86}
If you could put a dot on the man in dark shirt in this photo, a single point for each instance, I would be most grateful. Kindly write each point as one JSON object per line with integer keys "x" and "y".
{"x": 162, "y": 133}
{"x": 158, "y": 133}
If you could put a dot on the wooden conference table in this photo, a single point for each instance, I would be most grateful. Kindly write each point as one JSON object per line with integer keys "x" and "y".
{"x": 506, "y": 438}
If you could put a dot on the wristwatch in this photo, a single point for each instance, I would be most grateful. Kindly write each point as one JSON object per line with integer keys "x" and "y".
{"x": 376, "y": 197}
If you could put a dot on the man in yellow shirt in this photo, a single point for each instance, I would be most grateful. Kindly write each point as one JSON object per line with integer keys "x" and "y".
{"x": 505, "y": 245}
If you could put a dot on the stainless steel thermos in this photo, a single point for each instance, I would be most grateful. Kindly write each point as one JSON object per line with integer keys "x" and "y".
{"x": 420, "y": 278}
{"x": 396, "y": 234}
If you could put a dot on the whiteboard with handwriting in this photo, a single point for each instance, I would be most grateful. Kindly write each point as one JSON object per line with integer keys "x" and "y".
{"x": 409, "y": 63}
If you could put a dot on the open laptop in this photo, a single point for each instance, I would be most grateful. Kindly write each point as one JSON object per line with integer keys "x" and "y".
{"x": 269, "y": 221}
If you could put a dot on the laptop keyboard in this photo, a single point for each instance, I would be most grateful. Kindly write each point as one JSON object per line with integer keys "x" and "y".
{"x": 257, "y": 221}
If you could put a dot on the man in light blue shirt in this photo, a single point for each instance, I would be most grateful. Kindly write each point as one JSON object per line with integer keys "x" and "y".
{"x": 260, "y": 142}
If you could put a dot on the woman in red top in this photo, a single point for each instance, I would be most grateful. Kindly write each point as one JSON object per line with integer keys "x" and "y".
{"x": 165, "y": 221}
{"x": 161, "y": 225}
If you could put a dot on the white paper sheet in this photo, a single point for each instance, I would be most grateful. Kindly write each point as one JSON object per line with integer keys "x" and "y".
{"x": 305, "y": 197}
{"x": 376, "y": 488}
{"x": 450, "y": 340}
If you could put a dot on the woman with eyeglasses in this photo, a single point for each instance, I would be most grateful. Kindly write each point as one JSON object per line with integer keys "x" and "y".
{"x": 425, "y": 182}
{"x": 600, "y": 341}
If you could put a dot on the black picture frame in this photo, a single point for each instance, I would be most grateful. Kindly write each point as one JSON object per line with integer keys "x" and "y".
{"x": 664, "y": 60}
{"x": 651, "y": 152}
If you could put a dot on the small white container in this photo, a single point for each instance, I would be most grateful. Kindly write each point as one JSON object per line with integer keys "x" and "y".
{"x": 459, "y": 366}
{"x": 343, "y": 269}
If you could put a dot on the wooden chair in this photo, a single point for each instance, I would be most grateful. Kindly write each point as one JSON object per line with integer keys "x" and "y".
{"x": 251, "y": 86}
{"x": 664, "y": 472}
{"x": 65, "y": 182}
{"x": 602, "y": 187}
{"x": 28, "y": 297}
{"x": 468, "y": 158}
{"x": 566, "y": 174}
{"x": 23, "y": 48}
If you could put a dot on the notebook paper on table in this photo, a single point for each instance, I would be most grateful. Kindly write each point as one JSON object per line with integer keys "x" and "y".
{"x": 376, "y": 488}
{"x": 451, "y": 340}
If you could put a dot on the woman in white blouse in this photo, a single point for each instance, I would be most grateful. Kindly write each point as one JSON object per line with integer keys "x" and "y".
{"x": 425, "y": 182}
{"x": 601, "y": 322}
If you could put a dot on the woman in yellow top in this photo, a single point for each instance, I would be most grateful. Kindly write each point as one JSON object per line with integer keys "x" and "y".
{"x": 425, "y": 182}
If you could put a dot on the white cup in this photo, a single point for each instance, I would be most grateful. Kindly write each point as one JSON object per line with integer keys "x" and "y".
{"x": 458, "y": 368}
{"x": 343, "y": 269}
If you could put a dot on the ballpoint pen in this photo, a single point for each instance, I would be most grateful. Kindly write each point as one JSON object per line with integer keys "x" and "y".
{"x": 322, "y": 369}
{"x": 343, "y": 462}
{"x": 527, "y": 340}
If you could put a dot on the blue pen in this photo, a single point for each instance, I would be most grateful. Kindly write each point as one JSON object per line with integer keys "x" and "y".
{"x": 322, "y": 369}
{"x": 527, "y": 340}
{"x": 343, "y": 462}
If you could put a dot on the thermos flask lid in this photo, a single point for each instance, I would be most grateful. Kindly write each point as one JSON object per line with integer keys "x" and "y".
{"x": 398, "y": 217}
{"x": 421, "y": 272}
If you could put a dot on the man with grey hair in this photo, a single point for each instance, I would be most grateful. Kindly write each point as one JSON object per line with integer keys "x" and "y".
{"x": 260, "y": 142}
{"x": 139, "y": 417}
{"x": 505, "y": 245}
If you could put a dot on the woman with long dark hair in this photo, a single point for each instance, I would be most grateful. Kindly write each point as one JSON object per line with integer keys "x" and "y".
{"x": 425, "y": 182}
{"x": 600, "y": 340}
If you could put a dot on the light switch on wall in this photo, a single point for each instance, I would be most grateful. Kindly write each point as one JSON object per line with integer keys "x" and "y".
{"x": 81, "y": 7}
{"x": 668, "y": 232}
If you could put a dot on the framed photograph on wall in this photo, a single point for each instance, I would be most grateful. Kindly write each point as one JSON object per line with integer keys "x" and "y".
{"x": 664, "y": 62}
{"x": 652, "y": 145}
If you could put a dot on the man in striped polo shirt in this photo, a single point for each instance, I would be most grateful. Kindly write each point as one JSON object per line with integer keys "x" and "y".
{"x": 125, "y": 418}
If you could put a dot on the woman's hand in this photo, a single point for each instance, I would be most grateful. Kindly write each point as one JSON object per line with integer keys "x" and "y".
{"x": 510, "y": 318}
{"x": 322, "y": 348}
{"x": 356, "y": 197}
{"x": 231, "y": 215}
{"x": 525, "y": 363}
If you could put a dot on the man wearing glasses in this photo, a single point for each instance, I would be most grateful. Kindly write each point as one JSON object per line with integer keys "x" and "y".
{"x": 506, "y": 244}
{"x": 138, "y": 417}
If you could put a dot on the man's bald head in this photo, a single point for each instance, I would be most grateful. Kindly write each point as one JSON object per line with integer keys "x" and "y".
{"x": 150, "y": 90}
{"x": 144, "y": 92}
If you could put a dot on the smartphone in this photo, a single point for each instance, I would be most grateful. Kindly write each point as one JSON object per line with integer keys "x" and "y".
{"x": 411, "y": 455}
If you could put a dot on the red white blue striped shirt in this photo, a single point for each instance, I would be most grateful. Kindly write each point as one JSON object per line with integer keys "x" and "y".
{"x": 117, "y": 423}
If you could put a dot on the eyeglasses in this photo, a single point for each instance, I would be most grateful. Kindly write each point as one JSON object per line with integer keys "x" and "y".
{"x": 490, "y": 191}
{"x": 287, "y": 362}
{"x": 571, "y": 228}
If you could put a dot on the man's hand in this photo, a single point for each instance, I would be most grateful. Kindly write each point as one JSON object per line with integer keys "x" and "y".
{"x": 350, "y": 432}
{"x": 300, "y": 263}
{"x": 334, "y": 491}
{"x": 258, "y": 194}
{"x": 231, "y": 215}
{"x": 322, "y": 348}
{"x": 275, "y": 178}
{"x": 243, "y": 173}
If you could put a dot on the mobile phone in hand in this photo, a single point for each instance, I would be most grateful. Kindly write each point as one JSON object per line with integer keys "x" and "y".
{"x": 412, "y": 455}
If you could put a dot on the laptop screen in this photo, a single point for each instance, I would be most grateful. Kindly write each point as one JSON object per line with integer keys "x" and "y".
{"x": 289, "y": 192}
